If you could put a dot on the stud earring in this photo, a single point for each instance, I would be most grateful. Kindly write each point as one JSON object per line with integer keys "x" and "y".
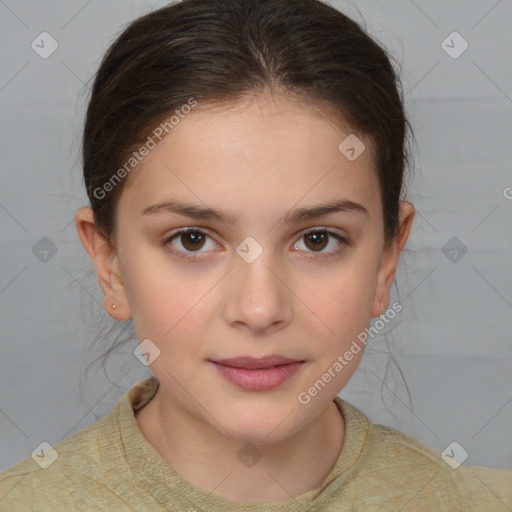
{"x": 114, "y": 306}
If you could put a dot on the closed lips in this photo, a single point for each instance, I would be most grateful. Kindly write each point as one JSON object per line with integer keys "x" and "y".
{"x": 250, "y": 363}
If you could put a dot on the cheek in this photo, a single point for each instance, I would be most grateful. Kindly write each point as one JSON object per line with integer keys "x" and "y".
{"x": 164, "y": 299}
{"x": 343, "y": 297}
{"x": 339, "y": 311}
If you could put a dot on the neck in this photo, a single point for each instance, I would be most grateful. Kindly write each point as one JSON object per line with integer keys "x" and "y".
{"x": 228, "y": 467}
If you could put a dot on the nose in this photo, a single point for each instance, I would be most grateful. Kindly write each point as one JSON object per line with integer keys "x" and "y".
{"x": 257, "y": 296}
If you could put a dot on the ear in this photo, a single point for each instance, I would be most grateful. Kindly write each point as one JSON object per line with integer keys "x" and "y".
{"x": 390, "y": 258}
{"x": 106, "y": 261}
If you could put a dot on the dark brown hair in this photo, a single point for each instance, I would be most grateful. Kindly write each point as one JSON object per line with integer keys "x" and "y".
{"x": 218, "y": 51}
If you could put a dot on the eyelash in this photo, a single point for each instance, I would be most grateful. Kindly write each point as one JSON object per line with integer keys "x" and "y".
{"x": 193, "y": 256}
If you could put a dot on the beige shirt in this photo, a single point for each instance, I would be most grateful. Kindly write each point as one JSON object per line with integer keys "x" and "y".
{"x": 110, "y": 466}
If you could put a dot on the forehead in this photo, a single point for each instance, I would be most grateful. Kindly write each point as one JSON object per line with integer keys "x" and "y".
{"x": 263, "y": 154}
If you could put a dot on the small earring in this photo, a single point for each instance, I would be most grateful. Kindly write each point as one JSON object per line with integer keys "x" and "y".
{"x": 382, "y": 303}
{"x": 114, "y": 306}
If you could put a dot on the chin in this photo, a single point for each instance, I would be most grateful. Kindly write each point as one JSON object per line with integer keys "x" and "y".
{"x": 255, "y": 428}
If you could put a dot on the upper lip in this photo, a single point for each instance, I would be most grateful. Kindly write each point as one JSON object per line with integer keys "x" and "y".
{"x": 251, "y": 363}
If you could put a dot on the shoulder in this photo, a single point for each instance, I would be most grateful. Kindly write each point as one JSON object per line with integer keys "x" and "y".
{"x": 83, "y": 469}
{"x": 52, "y": 477}
{"x": 406, "y": 463}
{"x": 394, "y": 470}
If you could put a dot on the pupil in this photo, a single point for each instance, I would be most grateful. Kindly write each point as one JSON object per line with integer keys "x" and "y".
{"x": 192, "y": 239}
{"x": 317, "y": 239}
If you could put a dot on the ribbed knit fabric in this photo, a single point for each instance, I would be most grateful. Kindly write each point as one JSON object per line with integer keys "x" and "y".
{"x": 111, "y": 466}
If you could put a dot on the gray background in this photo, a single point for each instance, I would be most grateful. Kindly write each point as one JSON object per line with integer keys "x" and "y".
{"x": 452, "y": 339}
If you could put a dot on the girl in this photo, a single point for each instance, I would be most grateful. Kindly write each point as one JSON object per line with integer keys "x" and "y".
{"x": 244, "y": 162}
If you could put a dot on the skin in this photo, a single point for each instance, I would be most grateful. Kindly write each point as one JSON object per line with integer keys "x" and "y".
{"x": 258, "y": 158}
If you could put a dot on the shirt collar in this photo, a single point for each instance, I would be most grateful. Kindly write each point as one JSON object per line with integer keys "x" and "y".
{"x": 165, "y": 485}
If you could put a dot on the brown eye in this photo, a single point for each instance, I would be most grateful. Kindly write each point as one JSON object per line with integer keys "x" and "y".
{"x": 192, "y": 240}
{"x": 317, "y": 240}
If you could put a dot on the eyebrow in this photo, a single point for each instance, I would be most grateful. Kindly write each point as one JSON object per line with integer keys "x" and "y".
{"x": 295, "y": 215}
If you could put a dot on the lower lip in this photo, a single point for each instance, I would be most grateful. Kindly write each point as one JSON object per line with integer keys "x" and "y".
{"x": 261, "y": 379}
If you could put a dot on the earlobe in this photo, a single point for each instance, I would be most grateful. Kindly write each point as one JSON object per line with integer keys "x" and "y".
{"x": 103, "y": 254}
{"x": 390, "y": 259}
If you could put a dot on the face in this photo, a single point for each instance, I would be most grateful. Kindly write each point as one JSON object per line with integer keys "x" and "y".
{"x": 251, "y": 284}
